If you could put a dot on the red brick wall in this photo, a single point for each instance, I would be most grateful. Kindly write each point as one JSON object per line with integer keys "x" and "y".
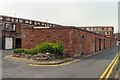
{"x": 97, "y": 42}
{"x": 107, "y": 42}
{"x": 30, "y": 38}
{"x": 75, "y": 41}
{"x": 18, "y": 27}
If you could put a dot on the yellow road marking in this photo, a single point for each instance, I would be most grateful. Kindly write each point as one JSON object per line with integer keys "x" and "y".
{"x": 110, "y": 67}
{"x": 108, "y": 75}
{"x": 107, "y": 72}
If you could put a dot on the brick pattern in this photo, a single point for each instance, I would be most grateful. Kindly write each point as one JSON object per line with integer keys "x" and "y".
{"x": 76, "y": 41}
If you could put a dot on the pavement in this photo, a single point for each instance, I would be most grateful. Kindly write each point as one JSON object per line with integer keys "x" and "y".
{"x": 91, "y": 67}
{"x": 29, "y": 61}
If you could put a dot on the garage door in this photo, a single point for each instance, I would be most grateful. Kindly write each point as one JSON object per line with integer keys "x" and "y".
{"x": 8, "y": 43}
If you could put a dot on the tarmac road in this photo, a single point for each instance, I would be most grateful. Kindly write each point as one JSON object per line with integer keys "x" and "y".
{"x": 91, "y": 67}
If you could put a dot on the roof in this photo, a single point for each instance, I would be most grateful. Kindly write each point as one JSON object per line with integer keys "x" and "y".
{"x": 95, "y": 26}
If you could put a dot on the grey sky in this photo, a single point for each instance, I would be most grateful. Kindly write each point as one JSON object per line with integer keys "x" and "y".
{"x": 73, "y": 13}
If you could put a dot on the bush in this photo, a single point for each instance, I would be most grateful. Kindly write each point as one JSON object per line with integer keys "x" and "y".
{"x": 56, "y": 49}
{"x": 45, "y": 47}
{"x": 30, "y": 51}
{"x": 18, "y": 51}
{"x": 53, "y": 48}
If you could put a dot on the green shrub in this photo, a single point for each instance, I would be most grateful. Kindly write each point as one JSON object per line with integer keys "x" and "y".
{"x": 26, "y": 51}
{"x": 53, "y": 48}
{"x": 58, "y": 49}
{"x": 30, "y": 51}
{"x": 18, "y": 51}
{"x": 45, "y": 47}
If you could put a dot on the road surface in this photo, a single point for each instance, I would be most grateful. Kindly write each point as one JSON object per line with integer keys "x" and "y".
{"x": 91, "y": 67}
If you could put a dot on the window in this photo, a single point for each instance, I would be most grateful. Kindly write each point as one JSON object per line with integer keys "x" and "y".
{"x": 91, "y": 28}
{"x": 109, "y": 28}
{"x": 95, "y": 28}
{"x": 1, "y": 18}
{"x": 105, "y": 28}
{"x": 35, "y": 23}
{"x": 30, "y": 22}
{"x": 12, "y": 20}
{"x": 42, "y": 24}
{"x": 87, "y": 28}
{"x": 38, "y": 23}
{"x": 26, "y": 21}
{"x": 20, "y": 20}
{"x": 45, "y": 24}
{"x": 99, "y": 28}
{"x": 16, "y": 20}
{"x": 8, "y": 19}
{"x": 54, "y": 25}
{"x": 50, "y": 25}
{"x": 83, "y": 28}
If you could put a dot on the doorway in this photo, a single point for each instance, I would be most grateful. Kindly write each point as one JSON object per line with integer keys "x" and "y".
{"x": 95, "y": 44}
{"x": 8, "y": 43}
{"x": 104, "y": 43}
{"x": 99, "y": 44}
{"x": 18, "y": 43}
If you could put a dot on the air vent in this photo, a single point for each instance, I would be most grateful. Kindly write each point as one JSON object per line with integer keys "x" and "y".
{"x": 10, "y": 27}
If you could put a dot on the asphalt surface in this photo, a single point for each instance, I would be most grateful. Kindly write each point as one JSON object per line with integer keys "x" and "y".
{"x": 0, "y": 64}
{"x": 91, "y": 67}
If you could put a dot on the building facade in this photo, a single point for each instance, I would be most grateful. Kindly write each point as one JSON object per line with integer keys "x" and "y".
{"x": 107, "y": 31}
{"x": 117, "y": 37}
{"x": 11, "y": 30}
{"x": 76, "y": 41}
{"x": 25, "y": 33}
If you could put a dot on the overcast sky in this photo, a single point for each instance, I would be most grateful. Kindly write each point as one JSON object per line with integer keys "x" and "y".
{"x": 64, "y": 12}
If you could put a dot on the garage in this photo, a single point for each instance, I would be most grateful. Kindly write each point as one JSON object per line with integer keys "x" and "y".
{"x": 8, "y": 43}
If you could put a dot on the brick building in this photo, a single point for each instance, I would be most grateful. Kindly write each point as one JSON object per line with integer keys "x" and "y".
{"x": 25, "y": 33}
{"x": 76, "y": 41}
{"x": 107, "y": 31}
{"x": 117, "y": 37}
{"x": 11, "y": 30}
